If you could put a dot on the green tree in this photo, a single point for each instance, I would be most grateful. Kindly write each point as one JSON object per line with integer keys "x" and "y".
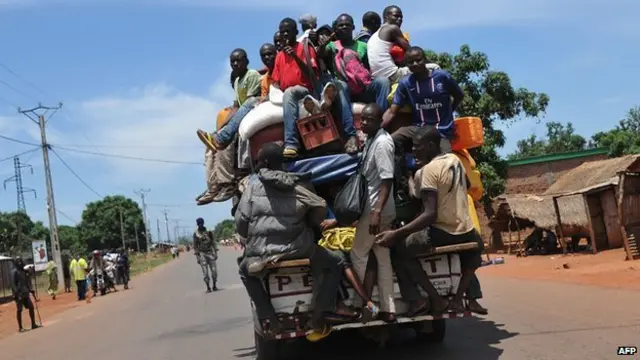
{"x": 71, "y": 239}
{"x": 100, "y": 225}
{"x": 560, "y": 138}
{"x": 15, "y": 231}
{"x": 184, "y": 240}
{"x": 624, "y": 139}
{"x": 490, "y": 96}
{"x": 224, "y": 230}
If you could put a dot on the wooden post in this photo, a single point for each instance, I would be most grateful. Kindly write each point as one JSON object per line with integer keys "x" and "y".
{"x": 594, "y": 242}
{"x": 559, "y": 221}
{"x": 621, "y": 220}
{"x": 509, "y": 227}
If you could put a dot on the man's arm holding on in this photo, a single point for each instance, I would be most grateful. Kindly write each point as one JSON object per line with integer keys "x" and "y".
{"x": 398, "y": 37}
{"x": 429, "y": 196}
{"x": 400, "y": 99}
{"x": 454, "y": 89}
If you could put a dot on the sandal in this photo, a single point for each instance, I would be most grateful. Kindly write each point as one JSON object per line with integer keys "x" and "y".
{"x": 290, "y": 153}
{"x": 208, "y": 140}
{"x": 315, "y": 335}
{"x": 369, "y": 313}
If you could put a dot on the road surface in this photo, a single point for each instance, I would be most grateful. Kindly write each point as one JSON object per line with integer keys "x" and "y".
{"x": 167, "y": 315}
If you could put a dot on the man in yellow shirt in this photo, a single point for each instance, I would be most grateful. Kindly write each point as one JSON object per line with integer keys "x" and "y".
{"x": 78, "y": 268}
{"x": 445, "y": 221}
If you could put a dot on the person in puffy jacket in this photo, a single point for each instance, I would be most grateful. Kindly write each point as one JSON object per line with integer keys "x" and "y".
{"x": 276, "y": 215}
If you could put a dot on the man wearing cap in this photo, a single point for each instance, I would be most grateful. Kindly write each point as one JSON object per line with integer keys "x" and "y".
{"x": 308, "y": 23}
{"x": 206, "y": 252}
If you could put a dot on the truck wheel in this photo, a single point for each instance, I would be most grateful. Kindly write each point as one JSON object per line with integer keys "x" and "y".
{"x": 266, "y": 350}
{"x": 432, "y": 330}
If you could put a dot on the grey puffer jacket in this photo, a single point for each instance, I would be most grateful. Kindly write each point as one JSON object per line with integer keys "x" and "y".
{"x": 276, "y": 214}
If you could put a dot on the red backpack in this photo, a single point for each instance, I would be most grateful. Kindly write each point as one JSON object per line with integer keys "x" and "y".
{"x": 351, "y": 69}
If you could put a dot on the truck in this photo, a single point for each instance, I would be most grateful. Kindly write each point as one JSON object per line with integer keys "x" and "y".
{"x": 289, "y": 283}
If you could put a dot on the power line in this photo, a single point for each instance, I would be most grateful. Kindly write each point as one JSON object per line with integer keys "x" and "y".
{"x": 19, "y": 141}
{"x": 23, "y": 79}
{"x": 20, "y": 154}
{"x": 127, "y": 146}
{"x": 66, "y": 216}
{"x": 17, "y": 90}
{"x": 8, "y": 102}
{"x": 75, "y": 174}
{"x": 127, "y": 157}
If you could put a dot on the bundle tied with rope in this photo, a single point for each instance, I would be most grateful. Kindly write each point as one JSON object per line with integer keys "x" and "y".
{"x": 338, "y": 238}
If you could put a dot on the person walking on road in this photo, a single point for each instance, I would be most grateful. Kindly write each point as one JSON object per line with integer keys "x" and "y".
{"x": 21, "y": 288}
{"x": 52, "y": 276}
{"x": 66, "y": 273}
{"x": 206, "y": 252}
{"x": 78, "y": 268}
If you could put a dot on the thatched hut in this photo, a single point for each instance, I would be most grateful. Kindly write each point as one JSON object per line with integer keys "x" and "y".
{"x": 518, "y": 212}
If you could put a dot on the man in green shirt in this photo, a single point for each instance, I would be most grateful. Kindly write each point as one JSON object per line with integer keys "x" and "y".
{"x": 247, "y": 88}
{"x": 379, "y": 88}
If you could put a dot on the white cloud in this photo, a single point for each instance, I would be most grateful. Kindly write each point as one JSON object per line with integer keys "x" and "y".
{"x": 155, "y": 121}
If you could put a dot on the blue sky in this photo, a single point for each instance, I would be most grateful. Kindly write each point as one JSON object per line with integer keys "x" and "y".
{"x": 138, "y": 77}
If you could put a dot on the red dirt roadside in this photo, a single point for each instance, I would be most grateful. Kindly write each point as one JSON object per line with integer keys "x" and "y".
{"x": 46, "y": 305}
{"x": 606, "y": 269}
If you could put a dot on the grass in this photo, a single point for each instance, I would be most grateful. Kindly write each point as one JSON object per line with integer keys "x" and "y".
{"x": 140, "y": 264}
{"x": 143, "y": 263}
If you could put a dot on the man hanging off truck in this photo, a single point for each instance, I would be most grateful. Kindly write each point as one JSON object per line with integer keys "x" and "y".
{"x": 442, "y": 186}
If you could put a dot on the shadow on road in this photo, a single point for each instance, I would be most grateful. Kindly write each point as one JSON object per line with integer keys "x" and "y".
{"x": 466, "y": 338}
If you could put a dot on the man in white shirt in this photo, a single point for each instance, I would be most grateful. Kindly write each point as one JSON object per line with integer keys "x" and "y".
{"x": 377, "y": 168}
{"x": 308, "y": 23}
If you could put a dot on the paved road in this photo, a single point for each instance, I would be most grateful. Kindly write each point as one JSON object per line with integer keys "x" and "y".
{"x": 167, "y": 315}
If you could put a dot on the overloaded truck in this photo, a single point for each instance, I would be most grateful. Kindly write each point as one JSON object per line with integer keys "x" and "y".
{"x": 289, "y": 283}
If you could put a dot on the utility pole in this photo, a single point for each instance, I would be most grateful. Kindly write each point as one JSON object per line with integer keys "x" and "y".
{"x": 122, "y": 229}
{"x": 166, "y": 223}
{"x": 17, "y": 178}
{"x": 143, "y": 193}
{"x": 37, "y": 115}
{"x": 159, "y": 235}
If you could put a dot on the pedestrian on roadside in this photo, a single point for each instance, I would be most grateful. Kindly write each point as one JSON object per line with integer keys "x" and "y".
{"x": 206, "y": 252}
{"x": 66, "y": 273}
{"x": 22, "y": 290}
{"x": 52, "y": 277}
{"x": 78, "y": 268}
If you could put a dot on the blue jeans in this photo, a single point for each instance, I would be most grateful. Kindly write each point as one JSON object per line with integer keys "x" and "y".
{"x": 229, "y": 131}
{"x": 290, "y": 113}
{"x": 346, "y": 113}
{"x": 378, "y": 91}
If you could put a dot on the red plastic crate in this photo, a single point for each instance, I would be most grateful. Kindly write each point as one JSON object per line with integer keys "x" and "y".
{"x": 317, "y": 130}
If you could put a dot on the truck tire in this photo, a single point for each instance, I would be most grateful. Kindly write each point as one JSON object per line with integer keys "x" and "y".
{"x": 265, "y": 349}
{"x": 438, "y": 329}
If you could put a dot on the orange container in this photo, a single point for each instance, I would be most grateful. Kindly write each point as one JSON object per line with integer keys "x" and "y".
{"x": 469, "y": 133}
{"x": 224, "y": 116}
{"x": 317, "y": 130}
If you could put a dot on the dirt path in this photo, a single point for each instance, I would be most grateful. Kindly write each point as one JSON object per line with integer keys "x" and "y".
{"x": 606, "y": 269}
{"x": 63, "y": 302}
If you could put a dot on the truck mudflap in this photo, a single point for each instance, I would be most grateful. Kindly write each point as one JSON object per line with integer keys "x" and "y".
{"x": 401, "y": 320}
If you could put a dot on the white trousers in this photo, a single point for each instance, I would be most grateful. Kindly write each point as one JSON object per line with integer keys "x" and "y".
{"x": 362, "y": 245}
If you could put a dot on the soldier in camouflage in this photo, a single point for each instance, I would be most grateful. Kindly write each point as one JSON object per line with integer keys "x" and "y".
{"x": 206, "y": 252}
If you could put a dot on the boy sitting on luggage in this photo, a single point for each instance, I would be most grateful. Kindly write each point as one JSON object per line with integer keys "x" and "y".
{"x": 247, "y": 86}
